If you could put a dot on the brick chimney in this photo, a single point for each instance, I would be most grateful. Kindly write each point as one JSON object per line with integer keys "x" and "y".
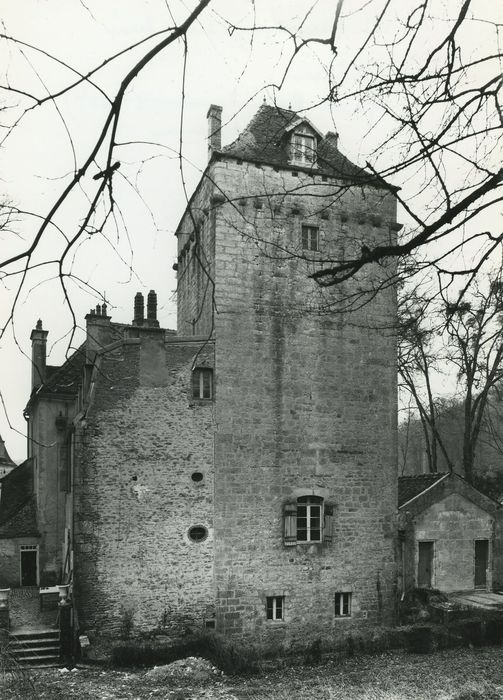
{"x": 38, "y": 339}
{"x": 333, "y": 138}
{"x": 98, "y": 331}
{"x": 214, "y": 117}
{"x": 139, "y": 310}
{"x": 152, "y": 310}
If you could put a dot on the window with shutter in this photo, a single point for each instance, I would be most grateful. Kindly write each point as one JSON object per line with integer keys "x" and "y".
{"x": 308, "y": 520}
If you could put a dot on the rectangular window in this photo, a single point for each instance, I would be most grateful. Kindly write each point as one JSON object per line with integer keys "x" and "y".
{"x": 275, "y": 607}
{"x": 202, "y": 383}
{"x": 309, "y": 513}
{"x": 303, "y": 148}
{"x": 343, "y": 604}
{"x": 310, "y": 238}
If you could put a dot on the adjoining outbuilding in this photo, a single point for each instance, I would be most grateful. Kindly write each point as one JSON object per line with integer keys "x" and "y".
{"x": 450, "y": 535}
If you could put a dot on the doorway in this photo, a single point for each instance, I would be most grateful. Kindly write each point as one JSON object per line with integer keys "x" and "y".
{"x": 425, "y": 564}
{"x": 29, "y": 565}
{"x": 481, "y": 563}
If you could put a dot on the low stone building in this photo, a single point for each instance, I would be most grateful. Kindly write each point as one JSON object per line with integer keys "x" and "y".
{"x": 451, "y": 535}
{"x": 19, "y": 535}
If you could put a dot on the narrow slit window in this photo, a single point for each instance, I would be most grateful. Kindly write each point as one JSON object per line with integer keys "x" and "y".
{"x": 310, "y": 237}
{"x": 275, "y": 607}
{"x": 202, "y": 383}
{"x": 343, "y": 604}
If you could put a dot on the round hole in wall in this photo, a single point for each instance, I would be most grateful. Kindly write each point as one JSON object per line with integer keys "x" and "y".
{"x": 197, "y": 476}
{"x": 198, "y": 533}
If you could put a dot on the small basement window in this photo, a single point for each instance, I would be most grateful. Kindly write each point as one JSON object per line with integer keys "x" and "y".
{"x": 198, "y": 533}
{"x": 343, "y": 604}
{"x": 310, "y": 237}
{"x": 202, "y": 383}
{"x": 275, "y": 607}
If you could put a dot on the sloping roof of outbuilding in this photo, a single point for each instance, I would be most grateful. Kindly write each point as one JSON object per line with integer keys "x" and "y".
{"x": 22, "y": 523}
{"x": 18, "y": 511}
{"x": 411, "y": 486}
{"x": 66, "y": 378}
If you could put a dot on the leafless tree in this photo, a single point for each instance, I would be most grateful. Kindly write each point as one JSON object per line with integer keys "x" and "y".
{"x": 419, "y": 360}
{"x": 433, "y": 91}
{"x": 475, "y": 340}
{"x": 426, "y": 75}
{"x": 470, "y": 336}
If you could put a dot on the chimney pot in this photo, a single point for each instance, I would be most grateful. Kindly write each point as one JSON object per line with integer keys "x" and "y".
{"x": 38, "y": 339}
{"x": 152, "y": 309}
{"x": 214, "y": 117}
{"x": 139, "y": 310}
{"x": 333, "y": 138}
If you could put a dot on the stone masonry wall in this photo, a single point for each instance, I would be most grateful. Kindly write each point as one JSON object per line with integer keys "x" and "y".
{"x": 305, "y": 404}
{"x": 453, "y": 524}
{"x": 196, "y": 254}
{"x": 50, "y": 491}
{"x": 10, "y": 570}
{"x": 142, "y": 439}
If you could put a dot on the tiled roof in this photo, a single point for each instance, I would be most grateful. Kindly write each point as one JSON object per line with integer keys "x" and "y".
{"x": 22, "y": 523}
{"x": 17, "y": 488}
{"x": 66, "y": 378}
{"x": 265, "y": 140}
{"x": 411, "y": 486}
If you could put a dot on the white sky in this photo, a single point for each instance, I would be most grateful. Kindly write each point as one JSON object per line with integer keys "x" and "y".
{"x": 37, "y": 159}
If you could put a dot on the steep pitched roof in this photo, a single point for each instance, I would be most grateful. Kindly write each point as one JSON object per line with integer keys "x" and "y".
{"x": 264, "y": 140}
{"x": 22, "y": 523}
{"x": 5, "y": 460}
{"x": 411, "y": 486}
{"x": 17, "y": 489}
{"x": 66, "y": 378}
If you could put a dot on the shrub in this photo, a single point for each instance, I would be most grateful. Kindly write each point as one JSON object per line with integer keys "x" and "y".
{"x": 420, "y": 640}
{"x": 494, "y": 631}
{"x": 487, "y": 692}
{"x": 127, "y": 622}
{"x": 232, "y": 659}
{"x": 313, "y": 653}
{"x": 16, "y": 682}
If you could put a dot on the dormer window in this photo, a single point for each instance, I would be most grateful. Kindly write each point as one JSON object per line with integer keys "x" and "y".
{"x": 303, "y": 146}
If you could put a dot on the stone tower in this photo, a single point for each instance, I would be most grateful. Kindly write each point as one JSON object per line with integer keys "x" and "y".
{"x": 305, "y": 395}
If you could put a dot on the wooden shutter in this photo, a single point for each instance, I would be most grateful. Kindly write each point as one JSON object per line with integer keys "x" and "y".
{"x": 328, "y": 524}
{"x": 290, "y": 524}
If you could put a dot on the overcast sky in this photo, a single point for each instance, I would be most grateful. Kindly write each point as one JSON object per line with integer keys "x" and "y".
{"x": 41, "y": 153}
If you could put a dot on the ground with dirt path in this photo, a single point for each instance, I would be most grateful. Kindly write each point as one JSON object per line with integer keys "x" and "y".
{"x": 467, "y": 674}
